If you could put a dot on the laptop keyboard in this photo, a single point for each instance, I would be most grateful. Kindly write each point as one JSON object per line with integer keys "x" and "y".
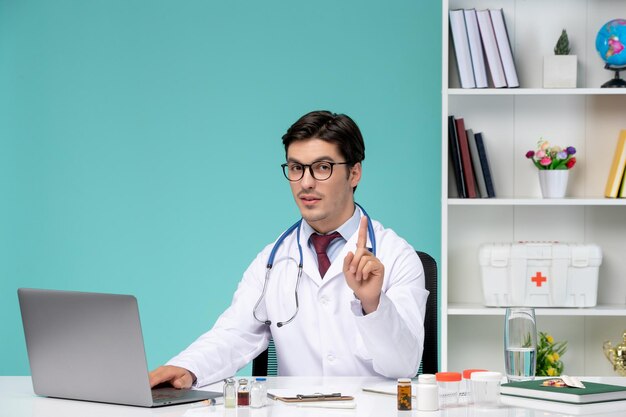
{"x": 169, "y": 394}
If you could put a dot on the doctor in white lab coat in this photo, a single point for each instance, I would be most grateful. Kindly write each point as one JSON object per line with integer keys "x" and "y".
{"x": 363, "y": 317}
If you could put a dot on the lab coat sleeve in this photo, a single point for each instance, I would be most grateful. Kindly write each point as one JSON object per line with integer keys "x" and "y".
{"x": 235, "y": 339}
{"x": 394, "y": 334}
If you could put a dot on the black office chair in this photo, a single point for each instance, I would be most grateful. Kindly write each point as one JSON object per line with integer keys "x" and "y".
{"x": 266, "y": 363}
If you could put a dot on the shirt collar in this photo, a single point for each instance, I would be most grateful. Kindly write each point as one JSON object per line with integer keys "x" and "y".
{"x": 346, "y": 230}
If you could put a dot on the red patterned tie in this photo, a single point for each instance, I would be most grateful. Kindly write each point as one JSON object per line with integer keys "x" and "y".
{"x": 320, "y": 243}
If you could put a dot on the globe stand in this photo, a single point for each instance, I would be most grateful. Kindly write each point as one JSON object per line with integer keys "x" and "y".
{"x": 616, "y": 82}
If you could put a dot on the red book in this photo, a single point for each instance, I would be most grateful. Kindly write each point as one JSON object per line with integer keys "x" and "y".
{"x": 466, "y": 160}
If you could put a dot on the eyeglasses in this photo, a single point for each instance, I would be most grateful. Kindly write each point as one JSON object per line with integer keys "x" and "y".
{"x": 320, "y": 170}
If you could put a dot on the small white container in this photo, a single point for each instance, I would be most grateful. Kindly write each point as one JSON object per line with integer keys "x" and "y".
{"x": 448, "y": 384}
{"x": 486, "y": 389}
{"x": 427, "y": 393}
{"x": 466, "y": 384}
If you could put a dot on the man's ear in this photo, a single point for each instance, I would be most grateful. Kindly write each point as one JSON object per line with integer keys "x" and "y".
{"x": 355, "y": 174}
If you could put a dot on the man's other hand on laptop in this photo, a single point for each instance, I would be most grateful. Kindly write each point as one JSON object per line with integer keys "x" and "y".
{"x": 172, "y": 375}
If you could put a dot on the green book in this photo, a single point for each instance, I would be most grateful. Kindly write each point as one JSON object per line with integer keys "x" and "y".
{"x": 592, "y": 393}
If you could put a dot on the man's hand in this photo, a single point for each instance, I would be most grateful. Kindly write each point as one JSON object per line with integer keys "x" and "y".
{"x": 174, "y": 375}
{"x": 364, "y": 272}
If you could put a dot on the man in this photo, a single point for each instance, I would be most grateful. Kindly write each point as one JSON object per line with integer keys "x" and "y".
{"x": 352, "y": 312}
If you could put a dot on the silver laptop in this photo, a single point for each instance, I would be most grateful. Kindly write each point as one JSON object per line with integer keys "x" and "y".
{"x": 89, "y": 346}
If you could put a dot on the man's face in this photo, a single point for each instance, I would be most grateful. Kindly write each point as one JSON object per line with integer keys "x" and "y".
{"x": 327, "y": 204}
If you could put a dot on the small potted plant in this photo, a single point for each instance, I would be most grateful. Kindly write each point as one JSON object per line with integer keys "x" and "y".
{"x": 560, "y": 69}
{"x": 553, "y": 163}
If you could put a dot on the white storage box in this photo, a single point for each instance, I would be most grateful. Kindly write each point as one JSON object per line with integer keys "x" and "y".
{"x": 540, "y": 274}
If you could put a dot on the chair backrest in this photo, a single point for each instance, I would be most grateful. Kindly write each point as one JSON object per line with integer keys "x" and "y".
{"x": 430, "y": 357}
{"x": 266, "y": 363}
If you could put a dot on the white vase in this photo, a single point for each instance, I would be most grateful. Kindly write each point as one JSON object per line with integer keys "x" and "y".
{"x": 553, "y": 182}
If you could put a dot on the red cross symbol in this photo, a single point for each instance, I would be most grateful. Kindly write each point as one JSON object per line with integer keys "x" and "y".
{"x": 538, "y": 279}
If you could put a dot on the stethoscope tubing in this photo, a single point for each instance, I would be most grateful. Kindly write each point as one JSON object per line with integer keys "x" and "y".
{"x": 270, "y": 263}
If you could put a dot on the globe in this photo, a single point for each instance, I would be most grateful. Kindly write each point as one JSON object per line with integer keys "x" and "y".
{"x": 610, "y": 42}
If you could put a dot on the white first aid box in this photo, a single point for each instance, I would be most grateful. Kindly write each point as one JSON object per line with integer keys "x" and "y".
{"x": 540, "y": 274}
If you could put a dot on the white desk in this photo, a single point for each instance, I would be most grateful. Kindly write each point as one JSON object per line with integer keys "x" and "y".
{"x": 18, "y": 400}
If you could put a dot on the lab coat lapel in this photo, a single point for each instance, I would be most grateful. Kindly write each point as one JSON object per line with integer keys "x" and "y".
{"x": 309, "y": 264}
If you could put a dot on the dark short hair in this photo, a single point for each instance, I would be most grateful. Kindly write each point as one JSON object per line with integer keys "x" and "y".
{"x": 330, "y": 127}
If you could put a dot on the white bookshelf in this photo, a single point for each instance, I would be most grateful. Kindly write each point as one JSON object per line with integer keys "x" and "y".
{"x": 512, "y": 120}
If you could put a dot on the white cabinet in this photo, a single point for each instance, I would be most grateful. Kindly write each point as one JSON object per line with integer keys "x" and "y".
{"x": 512, "y": 120}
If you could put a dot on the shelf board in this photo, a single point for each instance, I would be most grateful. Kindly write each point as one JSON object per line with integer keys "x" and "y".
{"x": 535, "y": 91}
{"x": 536, "y": 201}
{"x": 455, "y": 309}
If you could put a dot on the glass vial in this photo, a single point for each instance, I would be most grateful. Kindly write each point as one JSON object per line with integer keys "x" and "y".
{"x": 243, "y": 393}
{"x": 258, "y": 392}
{"x": 404, "y": 393}
{"x": 230, "y": 393}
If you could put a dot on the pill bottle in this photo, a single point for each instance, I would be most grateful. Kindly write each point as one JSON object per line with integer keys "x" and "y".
{"x": 243, "y": 393}
{"x": 427, "y": 393}
{"x": 404, "y": 394}
{"x": 230, "y": 393}
{"x": 448, "y": 384}
{"x": 486, "y": 389}
{"x": 466, "y": 385}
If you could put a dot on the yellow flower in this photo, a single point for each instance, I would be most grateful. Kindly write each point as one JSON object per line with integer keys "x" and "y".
{"x": 550, "y": 358}
{"x": 551, "y": 371}
{"x": 550, "y": 339}
{"x": 556, "y": 356}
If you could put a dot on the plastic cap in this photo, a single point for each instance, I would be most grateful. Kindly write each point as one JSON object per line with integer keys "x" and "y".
{"x": 261, "y": 379}
{"x": 404, "y": 380}
{"x": 426, "y": 379}
{"x": 467, "y": 374}
{"x": 448, "y": 376}
{"x": 487, "y": 376}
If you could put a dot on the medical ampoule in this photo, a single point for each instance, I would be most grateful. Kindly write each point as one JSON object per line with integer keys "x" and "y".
{"x": 230, "y": 393}
{"x": 243, "y": 393}
{"x": 257, "y": 393}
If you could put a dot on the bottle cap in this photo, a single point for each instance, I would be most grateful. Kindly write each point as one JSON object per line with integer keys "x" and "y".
{"x": 467, "y": 374}
{"x": 448, "y": 376}
{"x": 426, "y": 379}
{"x": 261, "y": 379}
{"x": 404, "y": 380}
{"x": 243, "y": 381}
{"x": 487, "y": 376}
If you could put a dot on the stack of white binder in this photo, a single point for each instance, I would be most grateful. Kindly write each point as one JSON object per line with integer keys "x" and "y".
{"x": 482, "y": 48}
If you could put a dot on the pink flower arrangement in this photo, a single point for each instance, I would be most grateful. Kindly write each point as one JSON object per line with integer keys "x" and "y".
{"x": 552, "y": 157}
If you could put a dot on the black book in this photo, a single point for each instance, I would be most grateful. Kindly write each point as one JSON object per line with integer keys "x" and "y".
{"x": 455, "y": 155}
{"x": 484, "y": 162}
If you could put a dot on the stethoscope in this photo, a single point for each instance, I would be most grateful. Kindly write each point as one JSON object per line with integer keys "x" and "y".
{"x": 270, "y": 262}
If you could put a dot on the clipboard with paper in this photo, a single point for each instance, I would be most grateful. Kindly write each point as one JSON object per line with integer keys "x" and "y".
{"x": 317, "y": 394}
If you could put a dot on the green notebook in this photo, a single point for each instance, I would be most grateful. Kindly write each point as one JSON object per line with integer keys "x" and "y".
{"x": 592, "y": 393}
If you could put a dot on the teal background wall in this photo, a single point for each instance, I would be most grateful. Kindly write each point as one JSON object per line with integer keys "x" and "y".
{"x": 140, "y": 142}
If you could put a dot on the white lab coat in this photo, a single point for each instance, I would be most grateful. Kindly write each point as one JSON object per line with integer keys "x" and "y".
{"x": 330, "y": 335}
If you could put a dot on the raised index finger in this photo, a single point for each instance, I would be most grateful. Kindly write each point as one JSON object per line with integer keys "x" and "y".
{"x": 362, "y": 240}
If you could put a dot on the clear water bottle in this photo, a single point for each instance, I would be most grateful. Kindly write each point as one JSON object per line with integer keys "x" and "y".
{"x": 258, "y": 392}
